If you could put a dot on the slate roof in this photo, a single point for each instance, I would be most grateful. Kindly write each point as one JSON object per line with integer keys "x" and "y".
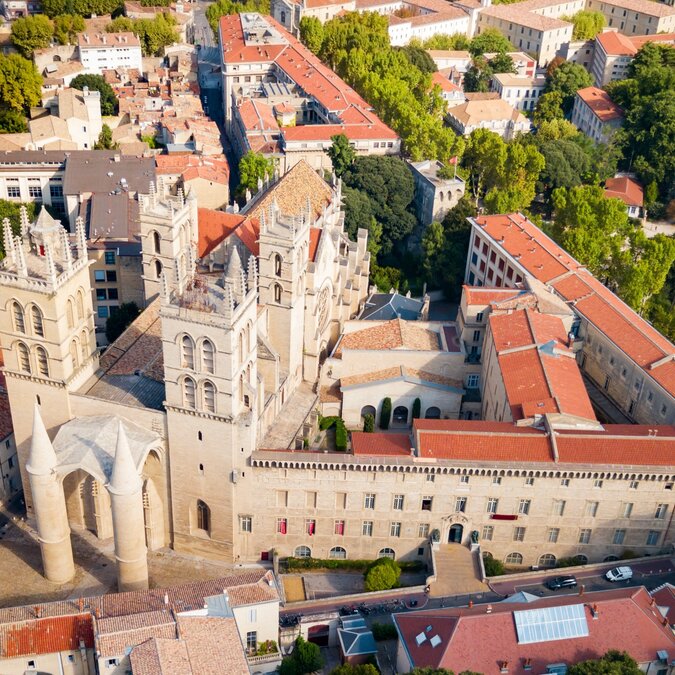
{"x": 387, "y": 306}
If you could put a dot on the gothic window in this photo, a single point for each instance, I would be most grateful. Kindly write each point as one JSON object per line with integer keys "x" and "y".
{"x": 209, "y": 397}
{"x": 241, "y": 347}
{"x": 207, "y": 357}
{"x": 84, "y": 345}
{"x": 187, "y": 352}
{"x": 277, "y": 293}
{"x": 19, "y": 323}
{"x": 248, "y": 336}
{"x": 277, "y": 264}
{"x": 189, "y": 393}
{"x": 156, "y": 242}
{"x": 74, "y": 354}
{"x": 158, "y": 269}
{"x": 203, "y": 516}
{"x": 69, "y": 313}
{"x": 42, "y": 361}
{"x": 80, "y": 304}
{"x": 323, "y": 307}
{"x": 36, "y": 318}
{"x": 24, "y": 357}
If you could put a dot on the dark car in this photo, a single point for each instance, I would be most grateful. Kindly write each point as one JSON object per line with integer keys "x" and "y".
{"x": 562, "y": 582}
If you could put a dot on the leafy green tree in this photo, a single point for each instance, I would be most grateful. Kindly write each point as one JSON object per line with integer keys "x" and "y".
{"x": 416, "y": 409}
{"x": 360, "y": 669}
{"x": 431, "y": 671}
{"x": 154, "y": 34}
{"x": 118, "y": 322}
{"x": 67, "y": 27}
{"x": 419, "y": 58}
{"x": 385, "y": 413}
{"x": 105, "y": 140}
{"x": 458, "y": 41}
{"x": 341, "y": 154}
{"x": 311, "y": 33}
{"x": 54, "y": 8}
{"x": 549, "y": 108}
{"x": 109, "y": 102}
{"x": 305, "y": 658}
{"x": 369, "y": 423}
{"x": 555, "y": 129}
{"x": 661, "y": 307}
{"x": 485, "y": 158}
{"x": 566, "y": 164}
{"x": 490, "y": 40}
{"x": 612, "y": 663}
{"x": 386, "y": 278}
{"x": 12, "y": 211}
{"x": 226, "y": 7}
{"x": 32, "y": 32}
{"x": 493, "y": 567}
{"x": 20, "y": 83}
{"x": 382, "y": 575}
{"x": 12, "y": 122}
{"x": 587, "y": 24}
{"x": 254, "y": 167}
{"x": 479, "y": 74}
{"x": 567, "y": 79}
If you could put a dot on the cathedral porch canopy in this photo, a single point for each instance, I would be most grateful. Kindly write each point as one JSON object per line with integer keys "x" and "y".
{"x": 89, "y": 443}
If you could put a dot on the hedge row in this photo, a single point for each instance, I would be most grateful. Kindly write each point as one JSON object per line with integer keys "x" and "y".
{"x": 340, "y": 430}
{"x": 297, "y": 564}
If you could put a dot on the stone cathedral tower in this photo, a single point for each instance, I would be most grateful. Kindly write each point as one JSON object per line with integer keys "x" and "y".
{"x": 46, "y": 324}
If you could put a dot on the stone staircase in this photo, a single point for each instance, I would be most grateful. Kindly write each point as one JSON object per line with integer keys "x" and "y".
{"x": 457, "y": 572}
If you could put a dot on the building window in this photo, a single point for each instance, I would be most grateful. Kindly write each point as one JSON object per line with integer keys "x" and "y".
{"x": 36, "y": 318}
{"x": 661, "y": 511}
{"x": 19, "y": 323}
{"x": 653, "y": 537}
{"x": 277, "y": 293}
{"x": 431, "y": 478}
{"x": 473, "y": 381}
{"x": 524, "y": 507}
{"x": 277, "y": 265}
{"x": 109, "y": 257}
{"x": 565, "y": 482}
{"x": 619, "y": 536}
{"x": 423, "y": 530}
{"x": 102, "y": 312}
{"x": 513, "y": 559}
{"x": 558, "y": 507}
{"x": 426, "y": 503}
{"x": 398, "y": 503}
{"x": 476, "y": 336}
{"x": 101, "y": 294}
{"x": 492, "y": 504}
{"x": 207, "y": 357}
{"x": 479, "y": 317}
{"x": 488, "y": 532}
{"x": 585, "y": 536}
{"x": 156, "y": 242}
{"x": 337, "y": 553}
{"x": 367, "y": 528}
{"x": 339, "y": 527}
{"x": 464, "y": 479}
{"x": 387, "y": 553}
{"x": 251, "y": 641}
{"x": 203, "y": 516}
{"x": 529, "y": 482}
{"x": 591, "y": 509}
{"x": 395, "y": 529}
{"x": 597, "y": 483}
{"x": 189, "y": 398}
{"x": 553, "y": 534}
{"x": 369, "y": 501}
{"x": 310, "y": 526}
{"x": 627, "y": 509}
{"x": 246, "y": 524}
{"x": 209, "y": 397}
{"x": 42, "y": 361}
{"x": 23, "y": 357}
{"x": 460, "y": 505}
{"x": 518, "y": 534}
{"x": 634, "y": 485}
{"x": 303, "y": 552}
{"x": 496, "y": 480}
{"x": 187, "y": 352}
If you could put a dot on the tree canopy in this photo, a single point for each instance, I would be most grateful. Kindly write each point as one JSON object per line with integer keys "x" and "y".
{"x": 109, "y": 102}
{"x": 341, "y": 154}
{"x": 490, "y": 40}
{"x": 54, "y": 8}
{"x": 253, "y": 167}
{"x": 154, "y": 34}
{"x": 118, "y": 321}
{"x": 67, "y": 27}
{"x": 612, "y": 663}
{"x": 226, "y": 7}
{"x": 32, "y": 32}
{"x": 12, "y": 211}
{"x": 382, "y": 575}
{"x": 12, "y": 122}
{"x": 305, "y": 658}
{"x": 360, "y": 669}
{"x": 587, "y": 24}
{"x": 311, "y": 33}
{"x": 105, "y": 140}
{"x": 20, "y": 83}
{"x": 479, "y": 74}
{"x": 567, "y": 79}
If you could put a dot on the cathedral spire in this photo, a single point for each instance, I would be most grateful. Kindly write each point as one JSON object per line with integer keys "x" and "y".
{"x": 81, "y": 238}
{"x": 25, "y": 221}
{"x": 252, "y": 273}
{"x": 21, "y": 266}
{"x": 232, "y": 276}
{"x": 41, "y": 458}
{"x": 124, "y": 479}
{"x": 64, "y": 244}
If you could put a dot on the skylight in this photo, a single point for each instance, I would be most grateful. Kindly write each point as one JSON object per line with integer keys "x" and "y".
{"x": 551, "y": 623}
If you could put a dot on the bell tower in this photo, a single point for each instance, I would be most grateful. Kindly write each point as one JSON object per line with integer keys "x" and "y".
{"x": 46, "y": 324}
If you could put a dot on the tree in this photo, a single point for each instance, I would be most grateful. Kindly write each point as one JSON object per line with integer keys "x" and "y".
{"x": 566, "y": 164}
{"x": 20, "y": 83}
{"x": 12, "y": 122}
{"x": 360, "y": 669}
{"x": 587, "y": 24}
{"x": 305, "y": 658}
{"x": 567, "y": 79}
{"x": 105, "y": 140}
{"x": 458, "y": 41}
{"x": 254, "y": 167}
{"x": 109, "y": 102}
{"x": 431, "y": 671}
{"x": 555, "y": 129}
{"x": 479, "y": 75}
{"x": 67, "y": 27}
{"x": 12, "y": 211}
{"x": 385, "y": 413}
{"x": 311, "y": 33}
{"x": 32, "y": 32}
{"x": 484, "y": 157}
{"x": 612, "y": 663}
{"x": 54, "y": 8}
{"x": 549, "y": 108}
{"x": 369, "y": 423}
{"x": 490, "y": 40}
{"x": 419, "y": 58}
{"x": 226, "y": 7}
{"x": 381, "y": 575}
{"x": 341, "y": 154}
{"x": 118, "y": 322}
{"x": 416, "y": 409}
{"x": 154, "y": 34}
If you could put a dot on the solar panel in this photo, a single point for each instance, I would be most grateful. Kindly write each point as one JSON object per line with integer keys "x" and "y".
{"x": 551, "y": 623}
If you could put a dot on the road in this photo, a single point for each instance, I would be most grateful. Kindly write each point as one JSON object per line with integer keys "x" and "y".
{"x": 203, "y": 32}
{"x": 648, "y": 573}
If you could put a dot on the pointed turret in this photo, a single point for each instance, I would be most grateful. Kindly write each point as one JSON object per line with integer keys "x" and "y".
{"x": 25, "y": 221}
{"x": 232, "y": 276}
{"x": 41, "y": 458}
{"x": 8, "y": 239}
{"x": 252, "y": 273}
{"x": 81, "y": 238}
{"x": 21, "y": 266}
{"x": 125, "y": 479}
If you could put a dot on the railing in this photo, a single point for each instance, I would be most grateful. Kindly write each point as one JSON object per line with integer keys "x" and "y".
{"x": 264, "y": 658}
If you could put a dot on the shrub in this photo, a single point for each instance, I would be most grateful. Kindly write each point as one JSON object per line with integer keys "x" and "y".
{"x": 385, "y": 415}
{"x": 369, "y": 424}
{"x": 327, "y": 422}
{"x": 340, "y": 434}
{"x": 493, "y": 567}
{"x": 301, "y": 564}
{"x": 306, "y": 658}
{"x": 417, "y": 409}
{"x": 382, "y": 574}
{"x": 384, "y": 631}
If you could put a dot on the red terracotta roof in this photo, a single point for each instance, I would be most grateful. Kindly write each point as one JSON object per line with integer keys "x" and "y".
{"x": 214, "y": 227}
{"x": 626, "y": 620}
{"x": 444, "y": 83}
{"x": 484, "y": 295}
{"x": 600, "y": 103}
{"x": 665, "y": 601}
{"x": 314, "y": 237}
{"x": 354, "y": 132}
{"x": 626, "y": 189}
{"x": 248, "y": 232}
{"x": 616, "y": 44}
{"x": 392, "y": 445}
{"x": 44, "y": 636}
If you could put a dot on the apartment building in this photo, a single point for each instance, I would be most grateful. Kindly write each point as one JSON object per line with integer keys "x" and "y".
{"x": 109, "y": 51}
{"x": 522, "y": 93}
{"x": 595, "y": 114}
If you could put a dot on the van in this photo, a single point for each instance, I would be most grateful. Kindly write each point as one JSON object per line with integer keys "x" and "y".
{"x": 619, "y": 574}
{"x": 562, "y": 582}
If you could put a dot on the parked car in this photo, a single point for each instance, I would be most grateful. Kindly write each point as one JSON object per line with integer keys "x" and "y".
{"x": 556, "y": 583}
{"x": 619, "y": 574}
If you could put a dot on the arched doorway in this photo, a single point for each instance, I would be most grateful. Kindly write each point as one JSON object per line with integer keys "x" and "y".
{"x": 455, "y": 534}
{"x": 88, "y": 504}
{"x": 400, "y": 417}
{"x": 368, "y": 410}
{"x": 433, "y": 413}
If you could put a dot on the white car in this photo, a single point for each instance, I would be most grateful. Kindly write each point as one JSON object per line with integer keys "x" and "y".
{"x": 619, "y": 574}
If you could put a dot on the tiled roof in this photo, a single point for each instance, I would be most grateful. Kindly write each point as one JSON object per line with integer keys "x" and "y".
{"x": 394, "y": 334}
{"x": 444, "y": 83}
{"x": 600, "y": 104}
{"x": 616, "y": 44}
{"x": 477, "y": 112}
{"x": 625, "y": 620}
{"x": 46, "y": 635}
{"x": 314, "y": 237}
{"x": 354, "y": 132}
{"x": 399, "y": 372}
{"x": 6, "y": 427}
{"x": 484, "y": 295}
{"x": 116, "y": 635}
{"x": 107, "y": 40}
{"x": 395, "y": 445}
{"x": 665, "y": 601}
{"x": 160, "y": 656}
{"x": 626, "y": 189}
{"x": 214, "y": 227}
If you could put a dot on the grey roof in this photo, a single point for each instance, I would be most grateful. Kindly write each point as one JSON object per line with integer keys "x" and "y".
{"x": 107, "y": 171}
{"x": 356, "y": 638}
{"x": 387, "y": 306}
{"x": 135, "y": 390}
{"x": 112, "y": 216}
{"x": 521, "y": 597}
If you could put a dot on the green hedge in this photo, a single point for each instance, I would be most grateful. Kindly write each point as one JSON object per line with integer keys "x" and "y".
{"x": 493, "y": 567}
{"x": 369, "y": 424}
{"x": 299, "y": 564}
{"x": 384, "y": 631}
{"x": 417, "y": 409}
{"x": 385, "y": 415}
{"x": 340, "y": 430}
